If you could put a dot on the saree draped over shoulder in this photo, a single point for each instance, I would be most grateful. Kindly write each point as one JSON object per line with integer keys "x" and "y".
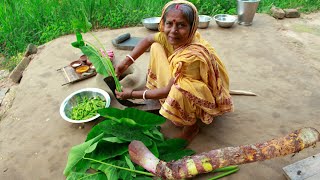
{"x": 201, "y": 83}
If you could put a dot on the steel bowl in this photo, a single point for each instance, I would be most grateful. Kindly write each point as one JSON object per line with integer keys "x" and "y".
{"x": 225, "y": 20}
{"x": 72, "y": 100}
{"x": 151, "y": 23}
{"x": 204, "y": 21}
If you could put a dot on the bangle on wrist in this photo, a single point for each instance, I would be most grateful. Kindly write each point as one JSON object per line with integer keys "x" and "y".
{"x": 131, "y": 94}
{"x": 130, "y": 57}
{"x": 144, "y": 95}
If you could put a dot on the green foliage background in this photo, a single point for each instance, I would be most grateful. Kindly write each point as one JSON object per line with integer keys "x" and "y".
{"x": 39, "y": 21}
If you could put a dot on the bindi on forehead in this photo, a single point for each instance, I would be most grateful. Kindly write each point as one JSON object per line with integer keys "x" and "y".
{"x": 175, "y": 16}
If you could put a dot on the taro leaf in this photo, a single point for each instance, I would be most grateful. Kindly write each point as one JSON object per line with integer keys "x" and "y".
{"x": 155, "y": 134}
{"x": 139, "y": 168}
{"x": 75, "y": 44}
{"x": 86, "y": 176}
{"x": 79, "y": 38}
{"x": 106, "y": 150}
{"x": 114, "y": 173}
{"x": 119, "y": 130}
{"x": 126, "y": 121}
{"x": 109, "y": 171}
{"x": 175, "y": 155}
{"x": 123, "y": 174}
{"x": 153, "y": 149}
{"x": 77, "y": 153}
{"x": 79, "y": 43}
{"x": 98, "y": 129}
{"x": 140, "y": 117}
{"x": 99, "y": 62}
{"x": 81, "y": 23}
{"x": 128, "y": 133}
{"x": 113, "y": 140}
{"x": 82, "y": 166}
{"x": 171, "y": 145}
{"x": 130, "y": 164}
{"x": 91, "y": 148}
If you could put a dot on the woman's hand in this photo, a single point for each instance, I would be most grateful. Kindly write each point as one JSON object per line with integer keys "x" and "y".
{"x": 125, "y": 94}
{"x": 140, "y": 48}
{"x": 121, "y": 67}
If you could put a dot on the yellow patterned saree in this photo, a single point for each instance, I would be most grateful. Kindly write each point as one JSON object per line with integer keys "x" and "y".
{"x": 201, "y": 84}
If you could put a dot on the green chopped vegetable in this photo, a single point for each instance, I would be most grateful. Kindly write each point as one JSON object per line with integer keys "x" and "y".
{"x": 224, "y": 174}
{"x": 227, "y": 168}
{"x": 87, "y": 107}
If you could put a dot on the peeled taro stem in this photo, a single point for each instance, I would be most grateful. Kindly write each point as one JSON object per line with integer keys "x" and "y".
{"x": 110, "y": 54}
{"x": 102, "y": 52}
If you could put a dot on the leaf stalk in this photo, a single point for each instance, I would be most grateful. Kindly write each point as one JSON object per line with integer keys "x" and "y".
{"x": 119, "y": 167}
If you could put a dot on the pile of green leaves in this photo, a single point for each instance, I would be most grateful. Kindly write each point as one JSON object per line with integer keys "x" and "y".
{"x": 87, "y": 107}
{"x": 104, "y": 154}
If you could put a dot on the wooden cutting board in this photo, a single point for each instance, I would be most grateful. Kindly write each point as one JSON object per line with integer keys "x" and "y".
{"x": 71, "y": 76}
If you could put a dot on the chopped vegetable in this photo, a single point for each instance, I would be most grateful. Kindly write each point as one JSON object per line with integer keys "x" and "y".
{"x": 224, "y": 169}
{"x": 208, "y": 161}
{"x": 87, "y": 108}
{"x": 224, "y": 174}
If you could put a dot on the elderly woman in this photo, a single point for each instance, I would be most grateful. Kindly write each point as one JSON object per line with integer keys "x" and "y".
{"x": 184, "y": 72}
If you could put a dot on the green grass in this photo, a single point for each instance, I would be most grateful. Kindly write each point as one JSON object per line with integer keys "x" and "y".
{"x": 39, "y": 21}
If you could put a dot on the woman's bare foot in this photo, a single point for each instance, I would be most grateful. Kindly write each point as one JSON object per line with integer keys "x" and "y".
{"x": 189, "y": 132}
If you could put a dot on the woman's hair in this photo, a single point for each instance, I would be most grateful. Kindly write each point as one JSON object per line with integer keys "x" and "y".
{"x": 186, "y": 10}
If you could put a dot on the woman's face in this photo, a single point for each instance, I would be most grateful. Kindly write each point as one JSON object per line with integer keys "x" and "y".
{"x": 177, "y": 28}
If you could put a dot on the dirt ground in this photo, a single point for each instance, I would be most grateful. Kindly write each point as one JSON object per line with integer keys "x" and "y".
{"x": 279, "y": 60}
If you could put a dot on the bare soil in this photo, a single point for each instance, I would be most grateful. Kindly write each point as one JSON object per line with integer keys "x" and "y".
{"x": 279, "y": 60}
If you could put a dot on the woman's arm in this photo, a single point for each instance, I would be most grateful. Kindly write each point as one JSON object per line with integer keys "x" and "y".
{"x": 149, "y": 94}
{"x": 139, "y": 49}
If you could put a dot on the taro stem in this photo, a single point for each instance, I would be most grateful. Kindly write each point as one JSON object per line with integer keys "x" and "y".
{"x": 112, "y": 71}
{"x": 208, "y": 161}
{"x": 105, "y": 60}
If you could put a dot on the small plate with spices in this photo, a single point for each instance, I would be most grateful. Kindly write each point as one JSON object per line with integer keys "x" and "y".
{"x": 82, "y": 69}
{"x": 76, "y": 64}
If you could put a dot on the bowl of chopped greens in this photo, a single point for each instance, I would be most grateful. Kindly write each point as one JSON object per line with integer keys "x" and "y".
{"x": 82, "y": 105}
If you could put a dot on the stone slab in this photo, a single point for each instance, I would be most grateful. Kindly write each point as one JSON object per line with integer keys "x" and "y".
{"x": 17, "y": 72}
{"x": 306, "y": 169}
{"x": 128, "y": 44}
